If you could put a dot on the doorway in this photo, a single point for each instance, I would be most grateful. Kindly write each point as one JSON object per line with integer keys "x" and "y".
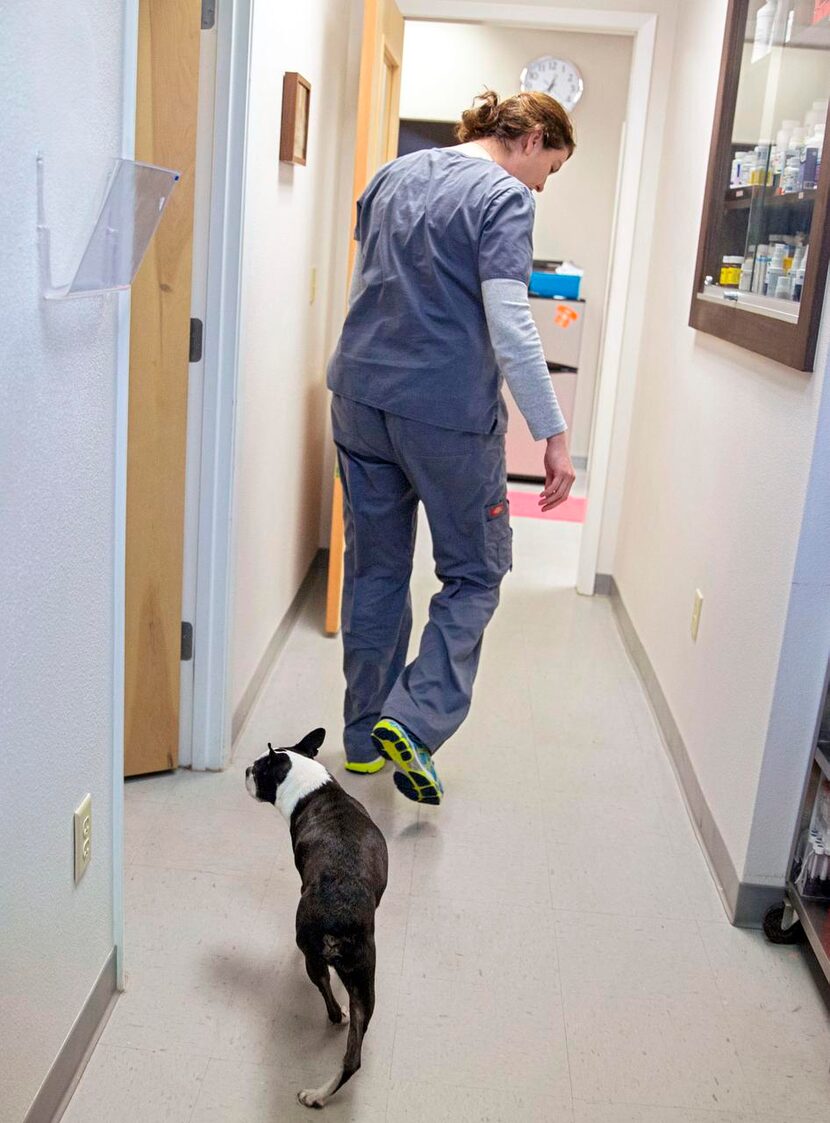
{"x": 574, "y": 220}
{"x": 596, "y": 396}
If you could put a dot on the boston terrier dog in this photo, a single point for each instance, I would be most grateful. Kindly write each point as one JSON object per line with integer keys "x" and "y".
{"x": 342, "y": 859}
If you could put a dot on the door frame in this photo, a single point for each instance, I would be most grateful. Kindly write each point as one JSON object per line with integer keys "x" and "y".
{"x": 196, "y": 369}
{"x": 211, "y": 713}
{"x": 622, "y": 327}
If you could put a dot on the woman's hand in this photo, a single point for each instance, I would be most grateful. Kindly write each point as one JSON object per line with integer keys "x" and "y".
{"x": 559, "y": 473}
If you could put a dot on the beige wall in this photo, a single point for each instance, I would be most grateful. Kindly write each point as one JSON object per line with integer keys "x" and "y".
{"x": 296, "y": 219}
{"x": 575, "y": 212}
{"x": 719, "y": 457}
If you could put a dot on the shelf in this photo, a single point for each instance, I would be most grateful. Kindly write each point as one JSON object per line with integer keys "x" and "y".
{"x": 786, "y": 310}
{"x": 741, "y": 198}
{"x": 815, "y": 920}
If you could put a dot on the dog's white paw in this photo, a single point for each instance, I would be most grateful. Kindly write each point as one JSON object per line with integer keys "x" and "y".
{"x": 311, "y": 1098}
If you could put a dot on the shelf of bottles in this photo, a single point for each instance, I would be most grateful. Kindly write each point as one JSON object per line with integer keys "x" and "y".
{"x": 809, "y": 881}
{"x": 758, "y": 258}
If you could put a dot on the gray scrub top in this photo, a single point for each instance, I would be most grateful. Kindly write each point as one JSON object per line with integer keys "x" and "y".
{"x": 432, "y": 227}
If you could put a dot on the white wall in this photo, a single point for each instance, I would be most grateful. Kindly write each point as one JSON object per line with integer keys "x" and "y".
{"x": 296, "y": 218}
{"x": 60, "y": 87}
{"x": 719, "y": 456}
{"x": 574, "y": 215}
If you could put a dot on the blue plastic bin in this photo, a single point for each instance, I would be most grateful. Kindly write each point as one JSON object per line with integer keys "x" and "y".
{"x": 564, "y": 286}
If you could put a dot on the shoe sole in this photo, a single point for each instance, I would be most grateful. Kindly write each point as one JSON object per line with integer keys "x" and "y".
{"x": 365, "y": 769}
{"x": 411, "y": 778}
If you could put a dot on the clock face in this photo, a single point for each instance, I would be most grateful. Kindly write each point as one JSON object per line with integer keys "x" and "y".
{"x": 554, "y": 76}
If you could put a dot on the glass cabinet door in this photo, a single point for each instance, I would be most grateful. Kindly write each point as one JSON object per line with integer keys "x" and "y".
{"x": 764, "y": 223}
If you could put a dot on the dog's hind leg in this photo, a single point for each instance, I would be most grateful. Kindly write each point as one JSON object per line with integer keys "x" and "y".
{"x": 318, "y": 972}
{"x": 361, "y": 988}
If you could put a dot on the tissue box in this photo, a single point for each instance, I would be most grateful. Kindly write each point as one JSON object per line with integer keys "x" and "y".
{"x": 563, "y": 286}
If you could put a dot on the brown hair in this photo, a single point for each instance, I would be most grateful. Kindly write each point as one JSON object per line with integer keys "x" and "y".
{"x": 516, "y": 116}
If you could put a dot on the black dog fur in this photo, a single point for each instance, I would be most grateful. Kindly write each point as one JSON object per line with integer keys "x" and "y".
{"x": 342, "y": 860}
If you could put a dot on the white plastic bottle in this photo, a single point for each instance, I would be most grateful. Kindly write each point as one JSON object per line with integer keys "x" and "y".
{"x": 799, "y": 275}
{"x": 759, "y": 277}
{"x": 747, "y": 268}
{"x": 811, "y": 158}
{"x": 796, "y": 150}
{"x": 747, "y": 169}
{"x": 784, "y": 287}
{"x": 764, "y": 24}
{"x": 737, "y": 163}
{"x": 790, "y": 176}
{"x": 776, "y": 268}
{"x": 782, "y": 143}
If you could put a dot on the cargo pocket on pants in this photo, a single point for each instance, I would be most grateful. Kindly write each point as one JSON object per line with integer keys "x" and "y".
{"x": 498, "y": 538}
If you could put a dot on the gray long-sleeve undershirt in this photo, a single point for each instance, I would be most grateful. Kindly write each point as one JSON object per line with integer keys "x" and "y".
{"x": 517, "y": 347}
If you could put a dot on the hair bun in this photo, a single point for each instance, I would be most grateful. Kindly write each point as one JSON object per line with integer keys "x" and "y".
{"x": 481, "y": 119}
{"x": 488, "y": 111}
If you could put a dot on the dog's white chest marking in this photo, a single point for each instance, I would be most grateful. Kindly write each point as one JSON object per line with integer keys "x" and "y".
{"x": 304, "y": 777}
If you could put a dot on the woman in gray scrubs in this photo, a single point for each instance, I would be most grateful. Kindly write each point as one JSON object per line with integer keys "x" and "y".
{"x": 438, "y": 314}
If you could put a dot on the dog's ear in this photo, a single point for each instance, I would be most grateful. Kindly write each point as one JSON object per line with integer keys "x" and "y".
{"x": 311, "y": 743}
{"x": 280, "y": 764}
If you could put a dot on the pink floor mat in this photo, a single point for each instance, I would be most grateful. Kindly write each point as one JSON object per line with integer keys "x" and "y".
{"x": 525, "y": 505}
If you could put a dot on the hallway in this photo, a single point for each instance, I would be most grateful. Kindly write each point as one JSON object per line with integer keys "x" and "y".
{"x": 551, "y": 947}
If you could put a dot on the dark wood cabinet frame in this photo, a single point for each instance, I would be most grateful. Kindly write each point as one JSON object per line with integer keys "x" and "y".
{"x": 793, "y": 344}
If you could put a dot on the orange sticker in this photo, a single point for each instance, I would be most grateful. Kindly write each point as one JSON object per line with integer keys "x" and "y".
{"x": 565, "y": 316}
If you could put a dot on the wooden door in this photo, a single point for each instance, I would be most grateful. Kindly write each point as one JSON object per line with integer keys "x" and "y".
{"x": 378, "y": 119}
{"x": 167, "y": 98}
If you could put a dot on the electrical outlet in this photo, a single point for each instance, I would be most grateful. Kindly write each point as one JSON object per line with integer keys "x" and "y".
{"x": 83, "y": 837}
{"x": 313, "y": 290}
{"x": 698, "y": 605}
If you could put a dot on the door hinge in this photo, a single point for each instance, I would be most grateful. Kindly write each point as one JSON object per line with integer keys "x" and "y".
{"x": 208, "y": 14}
{"x": 196, "y": 333}
{"x": 187, "y": 641}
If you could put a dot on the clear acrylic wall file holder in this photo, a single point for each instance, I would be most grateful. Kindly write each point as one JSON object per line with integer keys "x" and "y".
{"x": 133, "y": 205}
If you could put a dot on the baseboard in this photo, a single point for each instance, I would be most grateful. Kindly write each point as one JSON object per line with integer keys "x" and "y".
{"x": 62, "y": 1079}
{"x": 745, "y": 902}
{"x": 603, "y": 583}
{"x": 275, "y": 645}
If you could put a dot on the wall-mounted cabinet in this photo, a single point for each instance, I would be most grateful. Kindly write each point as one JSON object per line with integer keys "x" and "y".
{"x": 765, "y": 237}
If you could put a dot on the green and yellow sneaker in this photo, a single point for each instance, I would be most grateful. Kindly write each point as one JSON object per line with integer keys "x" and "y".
{"x": 365, "y": 768}
{"x": 415, "y": 775}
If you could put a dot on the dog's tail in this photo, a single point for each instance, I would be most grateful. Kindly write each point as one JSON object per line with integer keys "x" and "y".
{"x": 336, "y": 947}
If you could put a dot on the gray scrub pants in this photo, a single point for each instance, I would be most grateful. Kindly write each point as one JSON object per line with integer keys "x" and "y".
{"x": 387, "y": 464}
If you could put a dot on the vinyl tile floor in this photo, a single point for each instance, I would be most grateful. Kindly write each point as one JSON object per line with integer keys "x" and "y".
{"x": 552, "y": 946}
